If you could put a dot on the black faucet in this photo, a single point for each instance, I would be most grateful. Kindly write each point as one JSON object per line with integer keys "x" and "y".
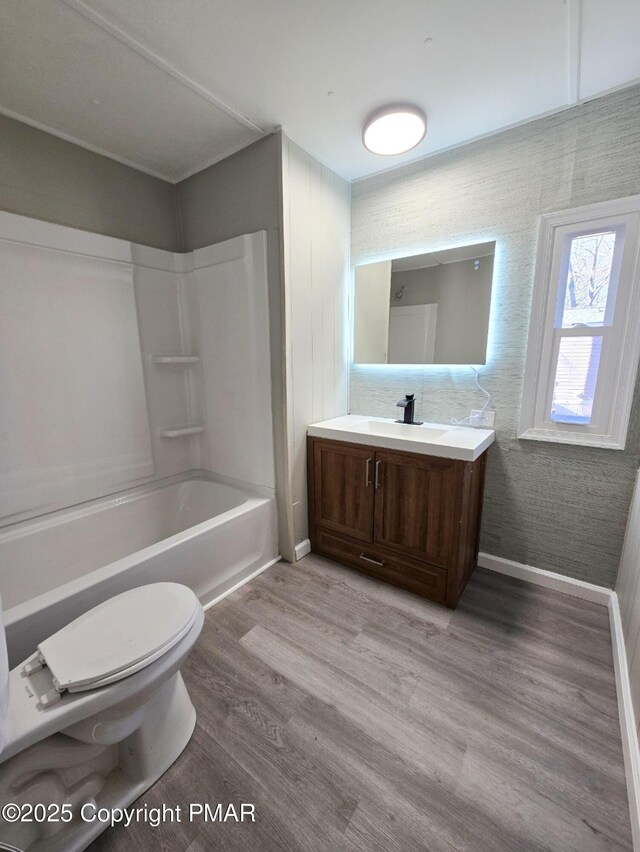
{"x": 408, "y": 403}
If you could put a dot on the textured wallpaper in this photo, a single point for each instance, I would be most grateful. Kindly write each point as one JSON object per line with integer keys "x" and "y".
{"x": 556, "y": 507}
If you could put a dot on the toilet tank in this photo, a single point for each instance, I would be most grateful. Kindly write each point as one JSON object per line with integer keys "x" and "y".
{"x": 4, "y": 685}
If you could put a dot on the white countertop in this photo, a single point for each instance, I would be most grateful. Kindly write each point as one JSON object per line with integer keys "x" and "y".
{"x": 430, "y": 439}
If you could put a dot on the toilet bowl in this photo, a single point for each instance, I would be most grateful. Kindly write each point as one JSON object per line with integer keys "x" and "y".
{"x": 97, "y": 714}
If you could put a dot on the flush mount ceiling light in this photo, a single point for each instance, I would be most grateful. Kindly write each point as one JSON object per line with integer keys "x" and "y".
{"x": 394, "y": 130}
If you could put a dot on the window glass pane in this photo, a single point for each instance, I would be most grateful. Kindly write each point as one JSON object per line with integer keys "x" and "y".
{"x": 588, "y": 277}
{"x": 575, "y": 381}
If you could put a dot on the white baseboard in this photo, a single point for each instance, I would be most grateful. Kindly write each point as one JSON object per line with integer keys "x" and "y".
{"x": 302, "y": 549}
{"x": 608, "y": 598}
{"x": 628, "y": 728}
{"x": 548, "y": 579}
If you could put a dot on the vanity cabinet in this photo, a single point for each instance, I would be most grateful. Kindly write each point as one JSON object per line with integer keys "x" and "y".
{"x": 342, "y": 489}
{"x": 408, "y": 518}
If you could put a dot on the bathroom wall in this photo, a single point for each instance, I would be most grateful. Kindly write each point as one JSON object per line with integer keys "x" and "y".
{"x": 50, "y": 179}
{"x": 628, "y": 589}
{"x": 304, "y": 207}
{"x": 557, "y": 507}
{"x": 47, "y": 178}
{"x": 242, "y": 195}
{"x": 316, "y": 214}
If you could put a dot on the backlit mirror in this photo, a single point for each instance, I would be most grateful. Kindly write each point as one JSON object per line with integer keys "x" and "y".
{"x": 426, "y": 309}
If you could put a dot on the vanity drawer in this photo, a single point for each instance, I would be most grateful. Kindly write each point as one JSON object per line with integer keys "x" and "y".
{"x": 418, "y": 577}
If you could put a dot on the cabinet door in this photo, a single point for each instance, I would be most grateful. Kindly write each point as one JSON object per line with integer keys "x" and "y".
{"x": 417, "y": 505}
{"x": 343, "y": 488}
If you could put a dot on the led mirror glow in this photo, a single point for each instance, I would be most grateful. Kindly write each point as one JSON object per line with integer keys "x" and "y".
{"x": 394, "y": 130}
{"x": 430, "y": 308}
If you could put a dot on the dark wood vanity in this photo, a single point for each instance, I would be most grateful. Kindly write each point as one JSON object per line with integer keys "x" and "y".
{"x": 410, "y": 519}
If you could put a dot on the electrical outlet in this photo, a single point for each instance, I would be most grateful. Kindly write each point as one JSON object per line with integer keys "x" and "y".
{"x": 485, "y": 420}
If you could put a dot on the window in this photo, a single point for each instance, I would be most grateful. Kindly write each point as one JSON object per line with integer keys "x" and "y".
{"x": 584, "y": 336}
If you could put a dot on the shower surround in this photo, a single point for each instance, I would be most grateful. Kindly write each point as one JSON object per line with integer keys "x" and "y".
{"x": 125, "y": 366}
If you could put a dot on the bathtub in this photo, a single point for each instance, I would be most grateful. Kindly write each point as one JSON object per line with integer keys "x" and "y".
{"x": 207, "y": 534}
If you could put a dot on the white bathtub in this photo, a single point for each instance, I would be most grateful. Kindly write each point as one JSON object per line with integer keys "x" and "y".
{"x": 209, "y": 535}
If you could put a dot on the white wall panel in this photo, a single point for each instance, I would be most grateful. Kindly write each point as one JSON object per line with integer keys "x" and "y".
{"x": 316, "y": 241}
{"x": 609, "y": 55}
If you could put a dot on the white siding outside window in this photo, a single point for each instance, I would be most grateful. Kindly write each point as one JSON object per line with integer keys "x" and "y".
{"x": 584, "y": 336}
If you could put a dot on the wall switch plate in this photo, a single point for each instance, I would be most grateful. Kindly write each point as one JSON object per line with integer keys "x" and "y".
{"x": 485, "y": 420}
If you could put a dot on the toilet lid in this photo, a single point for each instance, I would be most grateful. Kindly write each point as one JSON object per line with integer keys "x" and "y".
{"x": 120, "y": 636}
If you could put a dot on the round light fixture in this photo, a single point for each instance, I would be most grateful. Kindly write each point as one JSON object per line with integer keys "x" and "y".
{"x": 394, "y": 130}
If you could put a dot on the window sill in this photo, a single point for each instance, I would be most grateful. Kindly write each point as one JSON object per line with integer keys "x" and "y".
{"x": 576, "y": 439}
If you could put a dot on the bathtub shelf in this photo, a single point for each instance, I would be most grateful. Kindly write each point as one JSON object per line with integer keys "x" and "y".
{"x": 176, "y": 360}
{"x": 182, "y": 431}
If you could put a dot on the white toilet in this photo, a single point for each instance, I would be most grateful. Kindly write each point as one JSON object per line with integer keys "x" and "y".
{"x": 98, "y": 714}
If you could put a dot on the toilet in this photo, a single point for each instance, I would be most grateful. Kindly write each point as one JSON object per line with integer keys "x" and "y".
{"x": 97, "y": 714}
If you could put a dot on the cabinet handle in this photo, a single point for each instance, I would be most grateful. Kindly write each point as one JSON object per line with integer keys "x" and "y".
{"x": 378, "y": 463}
{"x": 367, "y": 559}
{"x": 366, "y": 476}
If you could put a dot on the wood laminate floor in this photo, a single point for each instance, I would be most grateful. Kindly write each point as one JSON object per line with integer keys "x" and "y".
{"x": 360, "y": 717}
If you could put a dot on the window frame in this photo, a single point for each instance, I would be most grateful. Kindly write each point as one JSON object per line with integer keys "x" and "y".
{"x": 619, "y": 363}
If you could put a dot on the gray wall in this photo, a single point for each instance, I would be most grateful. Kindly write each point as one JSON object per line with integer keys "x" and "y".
{"x": 236, "y": 196}
{"x": 241, "y": 195}
{"x": 557, "y": 507}
{"x": 47, "y": 178}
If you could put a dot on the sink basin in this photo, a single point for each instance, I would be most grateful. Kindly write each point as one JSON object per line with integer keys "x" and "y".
{"x": 431, "y": 439}
{"x": 405, "y": 430}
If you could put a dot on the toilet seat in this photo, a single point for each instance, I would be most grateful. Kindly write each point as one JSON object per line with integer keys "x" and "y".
{"x": 119, "y": 637}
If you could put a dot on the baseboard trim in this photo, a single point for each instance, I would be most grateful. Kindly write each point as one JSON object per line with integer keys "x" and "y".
{"x": 302, "y": 549}
{"x": 605, "y": 597}
{"x": 548, "y": 579}
{"x": 628, "y": 728}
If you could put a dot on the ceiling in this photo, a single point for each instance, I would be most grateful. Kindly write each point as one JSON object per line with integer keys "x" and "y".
{"x": 171, "y": 86}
